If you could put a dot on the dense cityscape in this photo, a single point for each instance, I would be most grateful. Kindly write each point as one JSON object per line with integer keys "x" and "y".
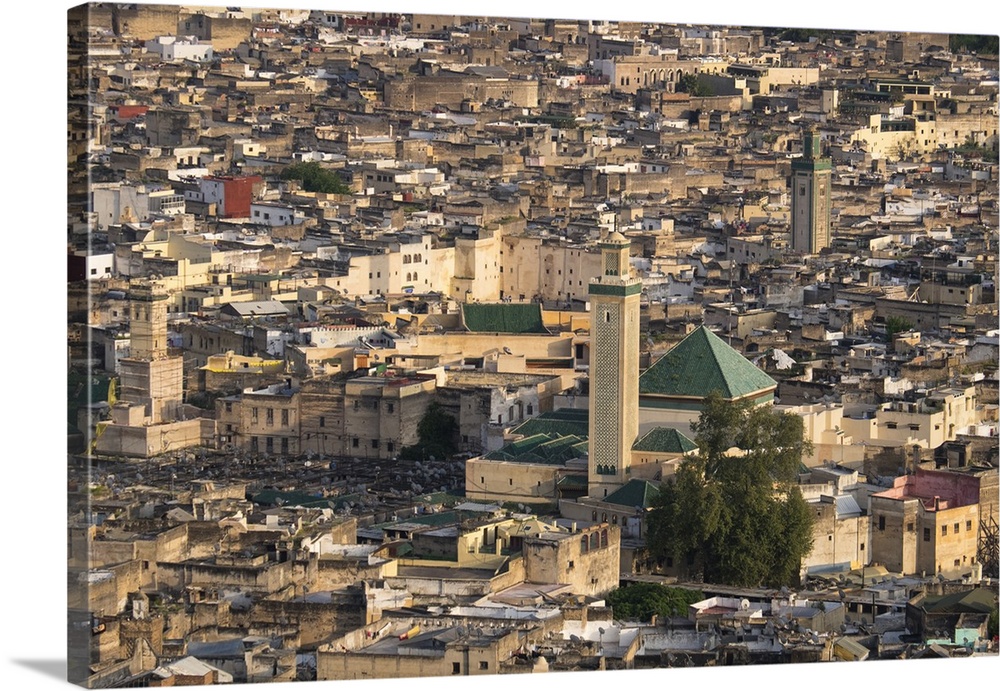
{"x": 413, "y": 345}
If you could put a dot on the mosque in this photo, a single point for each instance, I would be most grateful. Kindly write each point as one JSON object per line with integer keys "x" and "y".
{"x": 637, "y": 423}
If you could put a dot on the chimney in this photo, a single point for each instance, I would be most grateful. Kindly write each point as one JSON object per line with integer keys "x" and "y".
{"x": 937, "y": 503}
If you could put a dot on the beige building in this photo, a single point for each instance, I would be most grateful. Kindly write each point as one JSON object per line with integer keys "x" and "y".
{"x": 841, "y": 537}
{"x": 403, "y": 650}
{"x": 465, "y": 271}
{"x": 928, "y": 523}
{"x": 900, "y": 137}
{"x": 363, "y": 417}
{"x": 630, "y": 72}
{"x": 381, "y": 414}
{"x": 926, "y": 423}
{"x": 546, "y": 268}
{"x": 587, "y": 560}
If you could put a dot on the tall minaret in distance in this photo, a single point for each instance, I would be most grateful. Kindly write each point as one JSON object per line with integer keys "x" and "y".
{"x": 811, "y": 197}
{"x": 614, "y": 368}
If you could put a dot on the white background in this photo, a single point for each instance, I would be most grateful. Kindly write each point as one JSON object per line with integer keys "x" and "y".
{"x": 33, "y": 497}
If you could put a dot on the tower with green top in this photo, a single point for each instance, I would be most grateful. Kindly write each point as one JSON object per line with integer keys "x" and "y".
{"x": 614, "y": 368}
{"x": 810, "y": 191}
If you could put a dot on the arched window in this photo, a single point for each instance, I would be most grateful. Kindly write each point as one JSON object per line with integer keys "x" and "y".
{"x": 604, "y": 538}
{"x": 583, "y": 543}
{"x": 594, "y": 541}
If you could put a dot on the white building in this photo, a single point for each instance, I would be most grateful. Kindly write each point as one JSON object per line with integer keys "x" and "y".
{"x": 177, "y": 48}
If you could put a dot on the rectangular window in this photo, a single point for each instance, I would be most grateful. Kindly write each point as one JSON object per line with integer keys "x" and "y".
{"x": 374, "y": 443}
{"x": 355, "y": 443}
{"x": 270, "y": 417}
{"x": 956, "y": 528}
{"x": 483, "y": 664}
{"x": 391, "y": 407}
{"x": 253, "y": 415}
{"x": 284, "y": 445}
{"x": 944, "y": 530}
{"x": 322, "y": 421}
{"x": 927, "y": 534}
{"x": 284, "y": 418}
{"x": 968, "y": 526}
{"x": 881, "y": 522}
{"x": 456, "y": 667}
{"x": 909, "y": 527}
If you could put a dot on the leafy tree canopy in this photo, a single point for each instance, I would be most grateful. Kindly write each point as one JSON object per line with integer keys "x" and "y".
{"x": 690, "y": 84}
{"x": 737, "y": 519}
{"x": 436, "y": 432}
{"x": 896, "y": 325}
{"x": 315, "y": 178}
{"x": 640, "y": 601}
{"x": 973, "y": 43}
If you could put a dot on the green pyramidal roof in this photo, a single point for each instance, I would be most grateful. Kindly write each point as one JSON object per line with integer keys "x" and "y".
{"x": 634, "y": 493}
{"x": 700, "y": 364}
{"x": 664, "y": 440}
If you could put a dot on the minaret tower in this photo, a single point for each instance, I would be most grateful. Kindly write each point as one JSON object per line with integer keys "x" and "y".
{"x": 150, "y": 377}
{"x": 811, "y": 197}
{"x": 148, "y": 321}
{"x": 614, "y": 368}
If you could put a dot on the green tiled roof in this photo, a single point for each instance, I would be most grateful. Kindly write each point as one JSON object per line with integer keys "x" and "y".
{"x": 700, "y": 364}
{"x": 633, "y": 493}
{"x": 511, "y": 318}
{"x": 274, "y": 497}
{"x": 558, "y": 422}
{"x": 975, "y": 600}
{"x": 664, "y": 440}
{"x": 548, "y": 449}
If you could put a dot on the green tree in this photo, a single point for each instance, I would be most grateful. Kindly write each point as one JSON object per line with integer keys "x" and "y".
{"x": 986, "y": 45}
{"x": 640, "y": 601}
{"x": 737, "y": 519}
{"x": 897, "y": 325}
{"x": 436, "y": 433}
{"x": 691, "y": 84}
{"x": 315, "y": 178}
